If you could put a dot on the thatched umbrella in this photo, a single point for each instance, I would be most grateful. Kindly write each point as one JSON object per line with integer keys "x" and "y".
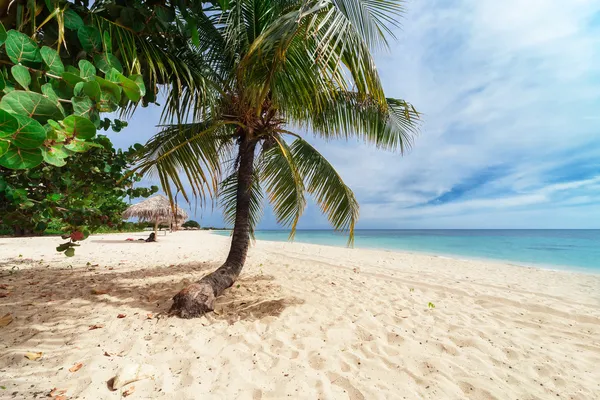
{"x": 156, "y": 209}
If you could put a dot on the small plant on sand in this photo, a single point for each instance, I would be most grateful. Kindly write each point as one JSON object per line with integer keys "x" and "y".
{"x": 430, "y": 305}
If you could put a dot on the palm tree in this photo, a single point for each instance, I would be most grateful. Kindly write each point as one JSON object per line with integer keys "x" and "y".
{"x": 279, "y": 69}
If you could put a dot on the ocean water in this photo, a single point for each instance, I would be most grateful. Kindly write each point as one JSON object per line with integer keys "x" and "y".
{"x": 558, "y": 249}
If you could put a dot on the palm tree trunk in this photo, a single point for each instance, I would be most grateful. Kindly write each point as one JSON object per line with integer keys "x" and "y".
{"x": 199, "y": 298}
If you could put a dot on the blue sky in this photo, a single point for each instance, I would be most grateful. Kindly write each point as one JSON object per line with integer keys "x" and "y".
{"x": 510, "y": 96}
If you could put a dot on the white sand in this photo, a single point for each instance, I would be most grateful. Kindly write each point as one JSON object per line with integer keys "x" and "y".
{"x": 306, "y": 321}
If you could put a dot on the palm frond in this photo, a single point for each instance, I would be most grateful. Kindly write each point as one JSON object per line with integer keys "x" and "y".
{"x": 335, "y": 199}
{"x": 193, "y": 150}
{"x": 349, "y": 114}
{"x": 283, "y": 183}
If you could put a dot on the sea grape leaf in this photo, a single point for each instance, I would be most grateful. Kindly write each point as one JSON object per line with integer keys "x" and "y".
{"x": 34, "y": 105}
{"x": 92, "y": 89}
{"x": 20, "y": 48}
{"x": 90, "y": 39}
{"x": 4, "y": 145}
{"x": 78, "y": 89}
{"x": 8, "y": 124}
{"x": 30, "y": 134}
{"x": 51, "y": 58}
{"x": 79, "y": 127}
{"x": 130, "y": 88}
{"x": 82, "y": 105}
{"x": 51, "y": 157}
{"x": 80, "y": 146}
{"x": 88, "y": 71}
{"x": 71, "y": 78}
{"x": 21, "y": 75}
{"x": 106, "y": 61}
{"x": 49, "y": 92}
{"x": 110, "y": 87}
{"x": 72, "y": 20}
{"x": 16, "y": 158}
{"x": 139, "y": 80}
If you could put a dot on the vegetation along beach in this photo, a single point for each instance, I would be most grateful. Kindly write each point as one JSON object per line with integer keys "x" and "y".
{"x": 306, "y": 199}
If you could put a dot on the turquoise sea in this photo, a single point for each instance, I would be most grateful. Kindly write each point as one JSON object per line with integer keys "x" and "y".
{"x": 557, "y": 249}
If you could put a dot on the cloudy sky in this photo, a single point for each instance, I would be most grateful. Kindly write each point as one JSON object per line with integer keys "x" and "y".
{"x": 510, "y": 96}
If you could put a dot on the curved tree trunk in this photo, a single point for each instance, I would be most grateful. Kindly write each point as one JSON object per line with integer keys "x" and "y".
{"x": 199, "y": 298}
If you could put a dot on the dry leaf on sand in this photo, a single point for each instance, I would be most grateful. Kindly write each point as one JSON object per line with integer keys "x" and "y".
{"x": 76, "y": 367}
{"x": 34, "y": 356}
{"x": 107, "y": 354}
{"x": 129, "y": 391}
{"x": 6, "y": 319}
{"x": 149, "y": 316}
{"x": 6, "y": 294}
{"x": 99, "y": 291}
{"x": 92, "y": 327}
{"x": 121, "y": 316}
{"x": 56, "y": 393}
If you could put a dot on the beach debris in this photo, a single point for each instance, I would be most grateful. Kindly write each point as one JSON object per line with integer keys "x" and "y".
{"x": 34, "y": 356}
{"x": 356, "y": 270}
{"x": 96, "y": 326}
{"x": 130, "y": 373}
{"x": 107, "y": 354}
{"x": 6, "y": 319}
{"x": 58, "y": 394}
{"x": 5, "y": 294}
{"x": 149, "y": 316}
{"x": 99, "y": 291}
{"x": 76, "y": 367}
{"x": 129, "y": 391}
{"x": 121, "y": 316}
{"x": 5, "y": 286}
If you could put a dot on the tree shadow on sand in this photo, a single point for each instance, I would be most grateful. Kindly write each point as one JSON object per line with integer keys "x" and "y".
{"x": 41, "y": 294}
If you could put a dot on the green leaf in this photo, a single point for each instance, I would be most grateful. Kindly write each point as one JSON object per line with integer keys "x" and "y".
{"x": 107, "y": 42}
{"x": 139, "y": 80}
{"x": 112, "y": 88}
{"x": 70, "y": 252}
{"x": 80, "y": 146}
{"x": 79, "y": 127}
{"x": 4, "y": 145}
{"x": 49, "y": 92}
{"x": 72, "y": 20}
{"x": 51, "y": 156}
{"x": 32, "y": 104}
{"x": 2, "y": 81}
{"x": 164, "y": 14}
{"x": 71, "y": 78}
{"x": 106, "y": 61}
{"x": 90, "y": 39}
{"x": 78, "y": 89}
{"x": 82, "y": 105}
{"x": 30, "y": 134}
{"x": 20, "y": 48}
{"x": 3, "y": 35}
{"x": 16, "y": 158}
{"x": 21, "y": 75}
{"x": 88, "y": 71}
{"x": 194, "y": 31}
{"x": 130, "y": 88}
{"x": 51, "y": 58}
{"x": 8, "y": 124}
{"x": 92, "y": 89}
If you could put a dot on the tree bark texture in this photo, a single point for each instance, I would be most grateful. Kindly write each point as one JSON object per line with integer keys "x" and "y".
{"x": 199, "y": 298}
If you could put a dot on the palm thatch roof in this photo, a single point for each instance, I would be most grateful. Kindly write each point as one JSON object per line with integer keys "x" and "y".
{"x": 156, "y": 208}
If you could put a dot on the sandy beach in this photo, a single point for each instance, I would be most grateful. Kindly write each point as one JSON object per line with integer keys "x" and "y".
{"x": 303, "y": 322}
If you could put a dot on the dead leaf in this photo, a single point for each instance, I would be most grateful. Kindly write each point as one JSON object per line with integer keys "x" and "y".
{"x": 6, "y": 294}
{"x": 4, "y": 287}
{"x": 99, "y": 291}
{"x": 149, "y": 316}
{"x": 107, "y": 354}
{"x": 60, "y": 397}
{"x": 111, "y": 268}
{"x": 7, "y": 319}
{"x": 121, "y": 316}
{"x": 129, "y": 391}
{"x": 76, "y": 367}
{"x": 56, "y": 392}
{"x": 34, "y": 356}
{"x": 33, "y": 283}
{"x": 92, "y": 327}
